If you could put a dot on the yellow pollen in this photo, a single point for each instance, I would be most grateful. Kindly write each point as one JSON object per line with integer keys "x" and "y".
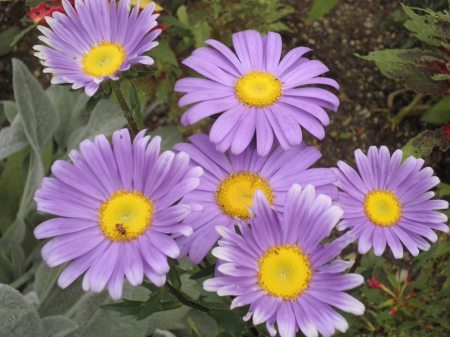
{"x": 103, "y": 59}
{"x": 284, "y": 271}
{"x": 236, "y": 191}
{"x": 382, "y": 208}
{"x": 258, "y": 89}
{"x": 125, "y": 216}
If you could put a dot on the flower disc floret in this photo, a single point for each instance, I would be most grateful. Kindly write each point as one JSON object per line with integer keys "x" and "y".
{"x": 230, "y": 182}
{"x": 96, "y": 41}
{"x": 235, "y": 193}
{"x": 284, "y": 271}
{"x": 256, "y": 92}
{"x": 117, "y": 210}
{"x": 258, "y": 89}
{"x": 389, "y": 202}
{"x": 104, "y": 59}
{"x": 382, "y": 208}
{"x": 126, "y": 215}
{"x": 279, "y": 267}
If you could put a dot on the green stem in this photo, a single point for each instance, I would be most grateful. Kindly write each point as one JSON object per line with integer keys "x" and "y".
{"x": 126, "y": 111}
{"x": 182, "y": 299}
{"x": 356, "y": 264}
{"x": 406, "y": 110}
{"x": 22, "y": 279}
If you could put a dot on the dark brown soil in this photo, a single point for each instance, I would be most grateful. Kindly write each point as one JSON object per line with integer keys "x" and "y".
{"x": 354, "y": 26}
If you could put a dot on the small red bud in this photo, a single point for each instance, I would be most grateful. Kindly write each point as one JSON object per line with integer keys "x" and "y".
{"x": 393, "y": 311}
{"x": 374, "y": 283}
{"x": 447, "y": 132}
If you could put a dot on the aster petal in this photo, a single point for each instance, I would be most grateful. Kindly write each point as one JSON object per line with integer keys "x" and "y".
{"x": 81, "y": 264}
{"x": 115, "y": 283}
{"x": 244, "y": 131}
{"x": 394, "y": 243}
{"x": 102, "y": 269}
{"x": 157, "y": 279}
{"x": 289, "y": 59}
{"x": 242, "y": 50}
{"x": 70, "y": 246}
{"x": 225, "y": 51}
{"x": 379, "y": 241}
{"x": 133, "y": 266}
{"x": 164, "y": 244}
{"x": 339, "y": 282}
{"x": 219, "y": 59}
{"x": 154, "y": 258}
{"x": 336, "y": 266}
{"x": 286, "y": 320}
{"x": 124, "y": 157}
{"x": 304, "y": 322}
{"x": 264, "y": 134}
{"x": 323, "y": 254}
{"x": 272, "y": 51}
{"x": 61, "y": 226}
{"x": 207, "y": 108}
{"x": 340, "y": 300}
{"x": 366, "y": 239}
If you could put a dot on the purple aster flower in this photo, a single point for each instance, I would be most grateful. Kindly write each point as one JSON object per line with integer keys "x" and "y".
{"x": 279, "y": 267}
{"x": 229, "y": 183}
{"x": 390, "y": 203}
{"x": 257, "y": 93}
{"x": 116, "y": 211}
{"x": 96, "y": 42}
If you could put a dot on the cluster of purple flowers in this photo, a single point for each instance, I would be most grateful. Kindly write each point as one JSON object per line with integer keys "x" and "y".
{"x": 122, "y": 210}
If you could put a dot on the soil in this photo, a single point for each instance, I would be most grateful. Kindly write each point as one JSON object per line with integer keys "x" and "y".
{"x": 354, "y": 26}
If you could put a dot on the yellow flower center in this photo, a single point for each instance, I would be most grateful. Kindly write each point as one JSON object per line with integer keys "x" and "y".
{"x": 104, "y": 59}
{"x": 258, "y": 89}
{"x": 284, "y": 271}
{"x": 125, "y": 216}
{"x": 236, "y": 191}
{"x": 382, "y": 207}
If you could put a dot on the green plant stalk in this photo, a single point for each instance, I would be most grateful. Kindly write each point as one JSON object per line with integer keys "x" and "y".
{"x": 183, "y": 300}
{"x": 127, "y": 112}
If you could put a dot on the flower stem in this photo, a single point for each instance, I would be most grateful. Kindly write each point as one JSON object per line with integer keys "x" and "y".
{"x": 127, "y": 112}
{"x": 356, "y": 264}
{"x": 182, "y": 299}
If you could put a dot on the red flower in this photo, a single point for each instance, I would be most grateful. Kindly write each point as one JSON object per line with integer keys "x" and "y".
{"x": 393, "y": 311}
{"x": 374, "y": 283}
{"x": 447, "y": 132}
{"x": 38, "y": 13}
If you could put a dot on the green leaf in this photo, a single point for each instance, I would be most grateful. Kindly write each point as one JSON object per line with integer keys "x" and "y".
{"x": 424, "y": 142}
{"x": 58, "y": 326}
{"x": 144, "y": 74}
{"x": 104, "y": 119}
{"x": 40, "y": 120}
{"x": 443, "y": 323}
{"x": 152, "y": 305}
{"x": 388, "y": 303}
{"x": 45, "y": 279}
{"x": 170, "y": 135}
{"x": 164, "y": 53}
{"x": 182, "y": 15}
{"x": 12, "y": 182}
{"x": 228, "y": 320}
{"x": 205, "y": 272}
{"x": 392, "y": 280}
{"x": 17, "y": 318}
{"x": 444, "y": 189}
{"x": 14, "y": 235}
{"x": 10, "y": 109}
{"x": 94, "y": 321}
{"x": 91, "y": 104}
{"x": 174, "y": 277}
{"x": 6, "y": 37}
{"x": 22, "y": 34}
{"x": 201, "y": 31}
{"x": 438, "y": 113}
{"x": 418, "y": 304}
{"x": 7, "y": 272}
{"x": 441, "y": 77}
{"x": 125, "y": 308}
{"x": 12, "y": 140}
{"x": 320, "y": 8}
{"x": 136, "y": 106}
{"x": 70, "y": 106}
{"x": 413, "y": 67}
